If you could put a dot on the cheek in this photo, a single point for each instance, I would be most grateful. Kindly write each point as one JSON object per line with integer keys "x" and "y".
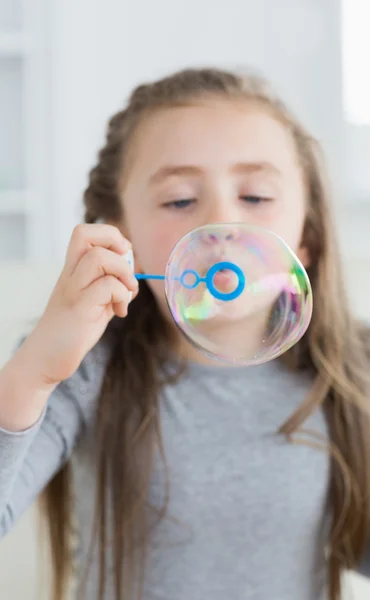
{"x": 152, "y": 247}
{"x": 290, "y": 222}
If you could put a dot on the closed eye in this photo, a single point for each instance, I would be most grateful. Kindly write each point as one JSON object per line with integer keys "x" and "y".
{"x": 255, "y": 199}
{"x": 180, "y": 204}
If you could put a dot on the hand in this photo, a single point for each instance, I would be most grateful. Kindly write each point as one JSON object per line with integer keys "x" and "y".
{"x": 95, "y": 284}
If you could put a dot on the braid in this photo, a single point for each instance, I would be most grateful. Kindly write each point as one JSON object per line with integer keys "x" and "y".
{"x": 101, "y": 199}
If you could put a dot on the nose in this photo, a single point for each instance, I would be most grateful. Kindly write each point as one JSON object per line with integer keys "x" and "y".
{"x": 227, "y": 231}
{"x": 223, "y": 216}
{"x": 223, "y": 225}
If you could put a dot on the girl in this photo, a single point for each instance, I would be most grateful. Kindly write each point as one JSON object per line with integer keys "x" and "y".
{"x": 191, "y": 481}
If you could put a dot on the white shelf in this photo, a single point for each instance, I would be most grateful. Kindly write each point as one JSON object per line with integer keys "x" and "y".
{"x": 13, "y": 44}
{"x": 14, "y": 202}
{"x": 26, "y": 58}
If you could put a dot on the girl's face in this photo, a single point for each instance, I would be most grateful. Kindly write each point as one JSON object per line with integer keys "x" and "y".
{"x": 217, "y": 161}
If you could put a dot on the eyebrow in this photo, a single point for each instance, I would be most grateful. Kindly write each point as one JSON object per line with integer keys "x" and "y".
{"x": 184, "y": 170}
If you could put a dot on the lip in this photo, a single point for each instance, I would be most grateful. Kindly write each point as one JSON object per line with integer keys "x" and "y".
{"x": 225, "y": 280}
{"x": 210, "y": 261}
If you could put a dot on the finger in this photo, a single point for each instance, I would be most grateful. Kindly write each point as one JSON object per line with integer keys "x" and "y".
{"x": 99, "y": 262}
{"x": 107, "y": 290}
{"x": 87, "y": 235}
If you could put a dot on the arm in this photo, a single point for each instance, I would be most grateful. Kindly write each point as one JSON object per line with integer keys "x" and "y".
{"x": 30, "y": 457}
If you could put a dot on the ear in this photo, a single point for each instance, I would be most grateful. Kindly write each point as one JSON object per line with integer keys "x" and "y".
{"x": 304, "y": 256}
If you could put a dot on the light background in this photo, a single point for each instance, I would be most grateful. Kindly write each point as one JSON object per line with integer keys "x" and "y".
{"x": 67, "y": 65}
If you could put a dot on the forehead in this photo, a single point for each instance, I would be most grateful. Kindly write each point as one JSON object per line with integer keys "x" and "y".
{"x": 211, "y": 134}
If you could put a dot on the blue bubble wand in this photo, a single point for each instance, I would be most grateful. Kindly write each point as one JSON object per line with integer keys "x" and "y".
{"x": 208, "y": 280}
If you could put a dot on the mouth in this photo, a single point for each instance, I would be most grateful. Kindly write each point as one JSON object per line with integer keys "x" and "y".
{"x": 225, "y": 280}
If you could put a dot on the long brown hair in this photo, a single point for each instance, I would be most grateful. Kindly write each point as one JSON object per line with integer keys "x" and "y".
{"x": 334, "y": 346}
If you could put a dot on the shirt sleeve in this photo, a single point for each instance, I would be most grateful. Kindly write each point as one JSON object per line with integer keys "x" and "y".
{"x": 29, "y": 459}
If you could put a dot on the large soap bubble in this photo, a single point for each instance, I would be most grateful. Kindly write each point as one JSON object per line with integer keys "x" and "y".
{"x": 237, "y": 292}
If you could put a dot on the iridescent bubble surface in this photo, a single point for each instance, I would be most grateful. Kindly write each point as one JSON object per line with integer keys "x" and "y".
{"x": 238, "y": 293}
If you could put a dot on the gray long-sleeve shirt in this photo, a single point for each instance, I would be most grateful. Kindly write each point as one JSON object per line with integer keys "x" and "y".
{"x": 250, "y": 508}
